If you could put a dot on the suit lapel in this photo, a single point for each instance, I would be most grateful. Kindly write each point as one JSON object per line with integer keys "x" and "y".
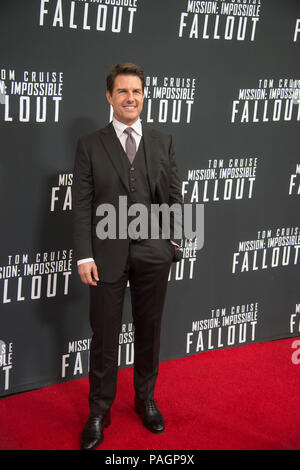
{"x": 152, "y": 158}
{"x": 112, "y": 147}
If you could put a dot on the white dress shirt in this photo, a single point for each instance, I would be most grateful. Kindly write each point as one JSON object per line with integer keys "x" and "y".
{"x": 122, "y": 136}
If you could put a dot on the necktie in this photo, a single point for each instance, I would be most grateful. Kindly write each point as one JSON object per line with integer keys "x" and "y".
{"x": 130, "y": 144}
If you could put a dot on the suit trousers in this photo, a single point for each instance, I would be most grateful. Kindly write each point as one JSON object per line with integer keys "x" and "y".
{"x": 147, "y": 270}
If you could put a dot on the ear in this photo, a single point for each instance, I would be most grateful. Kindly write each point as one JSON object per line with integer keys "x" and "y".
{"x": 108, "y": 97}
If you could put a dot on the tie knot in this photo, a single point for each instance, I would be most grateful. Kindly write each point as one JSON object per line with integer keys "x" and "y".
{"x": 128, "y": 130}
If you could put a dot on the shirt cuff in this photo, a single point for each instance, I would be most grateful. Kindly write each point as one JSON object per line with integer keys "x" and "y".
{"x": 85, "y": 260}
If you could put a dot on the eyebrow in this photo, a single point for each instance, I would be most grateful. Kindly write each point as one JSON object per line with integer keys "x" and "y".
{"x": 125, "y": 89}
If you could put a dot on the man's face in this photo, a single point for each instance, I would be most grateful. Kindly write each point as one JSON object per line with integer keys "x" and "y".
{"x": 127, "y": 98}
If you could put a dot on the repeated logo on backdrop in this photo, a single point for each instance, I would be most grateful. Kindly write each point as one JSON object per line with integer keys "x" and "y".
{"x": 35, "y": 276}
{"x": 169, "y": 99}
{"x": 61, "y": 193}
{"x": 272, "y": 248}
{"x": 270, "y": 100}
{"x": 116, "y": 16}
{"x": 30, "y": 96}
{"x": 220, "y": 20}
{"x": 75, "y": 361}
{"x": 223, "y": 179}
{"x": 225, "y": 327}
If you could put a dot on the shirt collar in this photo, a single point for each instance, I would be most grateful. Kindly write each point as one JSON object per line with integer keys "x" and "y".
{"x": 120, "y": 127}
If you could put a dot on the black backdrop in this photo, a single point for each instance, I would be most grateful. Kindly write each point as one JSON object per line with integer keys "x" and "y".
{"x": 223, "y": 79}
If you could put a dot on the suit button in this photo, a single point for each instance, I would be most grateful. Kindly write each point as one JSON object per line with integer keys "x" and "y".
{"x": 132, "y": 178}
{"x": 132, "y": 190}
{"x": 132, "y": 168}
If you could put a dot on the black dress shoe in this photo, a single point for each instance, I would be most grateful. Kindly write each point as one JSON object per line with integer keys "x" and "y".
{"x": 151, "y": 416}
{"x": 92, "y": 434}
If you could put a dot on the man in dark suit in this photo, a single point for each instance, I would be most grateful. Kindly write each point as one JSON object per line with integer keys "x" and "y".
{"x": 125, "y": 159}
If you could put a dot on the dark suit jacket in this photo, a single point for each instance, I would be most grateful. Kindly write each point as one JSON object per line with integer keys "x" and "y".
{"x": 99, "y": 178}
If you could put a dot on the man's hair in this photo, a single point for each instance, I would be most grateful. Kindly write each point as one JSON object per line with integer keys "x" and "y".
{"x": 126, "y": 68}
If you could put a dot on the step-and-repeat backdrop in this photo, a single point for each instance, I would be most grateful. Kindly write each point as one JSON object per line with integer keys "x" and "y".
{"x": 223, "y": 77}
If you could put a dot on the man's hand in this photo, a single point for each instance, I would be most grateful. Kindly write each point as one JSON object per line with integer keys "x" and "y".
{"x": 88, "y": 273}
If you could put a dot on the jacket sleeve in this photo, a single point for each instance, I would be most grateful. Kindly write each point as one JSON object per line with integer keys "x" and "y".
{"x": 175, "y": 199}
{"x": 82, "y": 203}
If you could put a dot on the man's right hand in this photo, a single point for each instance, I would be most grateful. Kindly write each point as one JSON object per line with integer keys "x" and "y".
{"x": 88, "y": 273}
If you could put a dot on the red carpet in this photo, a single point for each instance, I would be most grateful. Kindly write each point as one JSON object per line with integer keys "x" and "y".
{"x": 241, "y": 398}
